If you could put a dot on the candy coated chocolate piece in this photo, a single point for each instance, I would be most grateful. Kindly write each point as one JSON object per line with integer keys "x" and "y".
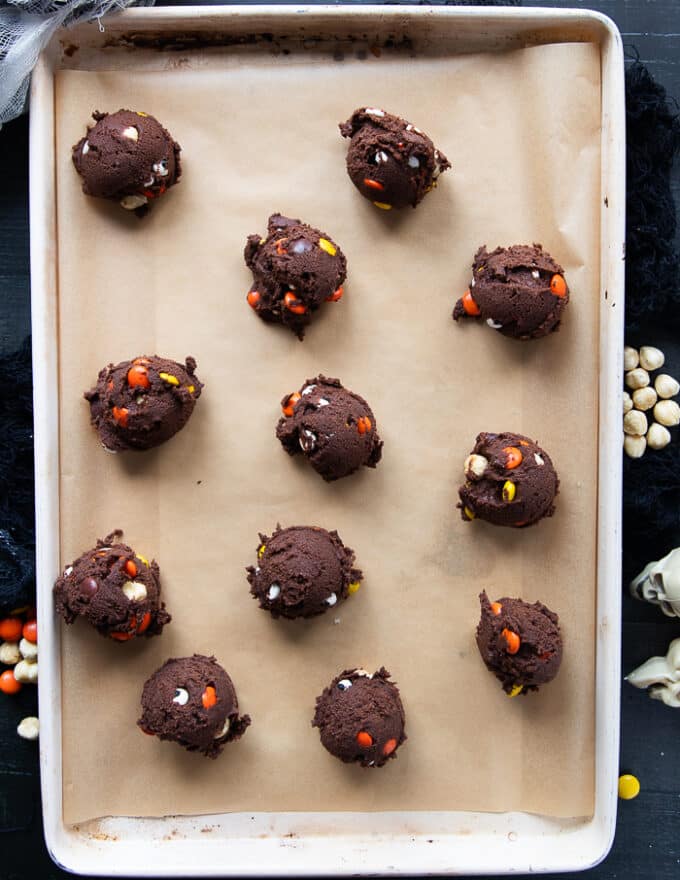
{"x": 509, "y": 481}
{"x": 361, "y": 718}
{"x": 192, "y": 701}
{"x": 519, "y": 642}
{"x": 518, "y": 291}
{"x": 295, "y": 269}
{"x": 127, "y": 157}
{"x": 390, "y": 161}
{"x": 99, "y": 588}
{"x": 128, "y": 414}
{"x": 334, "y": 428}
{"x": 302, "y": 571}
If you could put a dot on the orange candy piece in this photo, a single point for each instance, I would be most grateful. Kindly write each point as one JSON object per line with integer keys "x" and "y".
{"x": 364, "y": 425}
{"x": 209, "y": 696}
{"x": 373, "y": 184}
{"x": 293, "y": 304}
{"x": 290, "y": 403}
{"x": 514, "y": 457}
{"x": 280, "y": 249}
{"x": 10, "y": 629}
{"x": 496, "y": 607}
{"x": 364, "y": 739}
{"x": 336, "y": 295}
{"x": 558, "y": 285}
{"x": 512, "y": 641}
{"x": 122, "y": 636}
{"x": 120, "y": 415}
{"x": 389, "y": 747}
{"x": 253, "y": 298}
{"x": 138, "y": 377}
{"x": 469, "y": 305}
{"x": 131, "y": 568}
{"x": 8, "y": 683}
{"x": 144, "y": 623}
{"x": 30, "y": 631}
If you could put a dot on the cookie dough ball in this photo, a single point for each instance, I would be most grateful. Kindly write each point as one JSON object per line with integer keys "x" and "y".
{"x": 519, "y": 642}
{"x": 192, "y": 701}
{"x": 140, "y": 404}
{"x": 115, "y": 589}
{"x": 361, "y": 718}
{"x": 332, "y": 427}
{"x": 509, "y": 481}
{"x": 302, "y": 571}
{"x": 127, "y": 157}
{"x": 391, "y": 162}
{"x": 295, "y": 269}
{"x": 519, "y": 291}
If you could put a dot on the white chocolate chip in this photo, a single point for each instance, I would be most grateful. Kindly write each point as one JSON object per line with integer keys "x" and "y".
{"x": 86, "y": 148}
{"x": 308, "y": 389}
{"x": 181, "y": 696}
{"x": 373, "y": 111}
{"x": 26, "y": 672}
{"x": 28, "y": 650}
{"x": 307, "y": 441}
{"x": 273, "y": 592}
{"x": 666, "y": 386}
{"x": 627, "y": 402}
{"x": 135, "y": 591}
{"x": 131, "y": 133}
{"x": 651, "y": 358}
{"x": 631, "y": 358}
{"x": 381, "y": 157}
{"x": 472, "y": 281}
{"x": 535, "y": 273}
{"x": 139, "y": 400}
{"x": 413, "y": 162}
{"x": 635, "y": 422}
{"x": 658, "y": 436}
{"x": 331, "y": 600}
{"x": 10, "y": 653}
{"x": 149, "y": 182}
{"x": 644, "y": 398}
{"x": 667, "y": 412}
{"x": 538, "y": 459}
{"x": 362, "y": 672}
{"x": 475, "y": 465}
{"x": 225, "y": 729}
{"x": 634, "y": 446}
{"x": 494, "y": 324}
{"x": 29, "y": 727}
{"x": 130, "y": 203}
{"x": 68, "y": 570}
{"x": 323, "y": 402}
{"x": 161, "y": 168}
{"x": 637, "y": 378}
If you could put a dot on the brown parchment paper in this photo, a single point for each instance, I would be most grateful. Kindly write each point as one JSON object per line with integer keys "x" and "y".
{"x": 522, "y": 132}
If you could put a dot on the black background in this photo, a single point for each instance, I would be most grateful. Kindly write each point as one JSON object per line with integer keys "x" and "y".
{"x": 647, "y": 841}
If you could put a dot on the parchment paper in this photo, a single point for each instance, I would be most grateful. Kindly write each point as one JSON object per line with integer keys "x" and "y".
{"x": 522, "y": 132}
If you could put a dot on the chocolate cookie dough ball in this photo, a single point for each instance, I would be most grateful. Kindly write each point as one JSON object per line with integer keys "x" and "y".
{"x": 391, "y": 162}
{"x": 140, "y": 404}
{"x": 302, "y": 571}
{"x": 192, "y": 701}
{"x": 295, "y": 269}
{"x": 520, "y": 643}
{"x": 332, "y": 427}
{"x": 127, "y": 157}
{"x": 509, "y": 481}
{"x": 115, "y": 589}
{"x": 361, "y": 718}
{"x": 519, "y": 291}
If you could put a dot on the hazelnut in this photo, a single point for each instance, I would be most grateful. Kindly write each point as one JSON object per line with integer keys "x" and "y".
{"x": 658, "y": 436}
{"x": 634, "y": 446}
{"x": 627, "y": 402}
{"x": 28, "y": 650}
{"x": 667, "y": 412}
{"x": 666, "y": 386}
{"x": 637, "y": 378}
{"x": 29, "y": 727}
{"x": 630, "y": 358}
{"x": 651, "y": 358}
{"x": 26, "y": 672}
{"x": 644, "y": 398}
{"x": 475, "y": 465}
{"x": 635, "y": 422}
{"x": 9, "y": 653}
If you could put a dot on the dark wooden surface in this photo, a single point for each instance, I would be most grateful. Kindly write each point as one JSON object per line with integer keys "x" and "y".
{"x": 647, "y": 842}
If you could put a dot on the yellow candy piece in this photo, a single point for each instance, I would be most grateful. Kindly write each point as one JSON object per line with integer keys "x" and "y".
{"x": 141, "y": 113}
{"x": 262, "y": 240}
{"x": 353, "y": 587}
{"x": 629, "y": 787}
{"x": 191, "y": 389}
{"x": 328, "y": 246}
{"x": 383, "y": 206}
{"x": 171, "y": 380}
{"x": 470, "y": 514}
{"x": 260, "y": 552}
{"x": 509, "y": 490}
{"x": 516, "y": 689}
{"x": 143, "y": 558}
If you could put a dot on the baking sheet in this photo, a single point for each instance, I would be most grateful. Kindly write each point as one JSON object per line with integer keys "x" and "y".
{"x": 522, "y": 131}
